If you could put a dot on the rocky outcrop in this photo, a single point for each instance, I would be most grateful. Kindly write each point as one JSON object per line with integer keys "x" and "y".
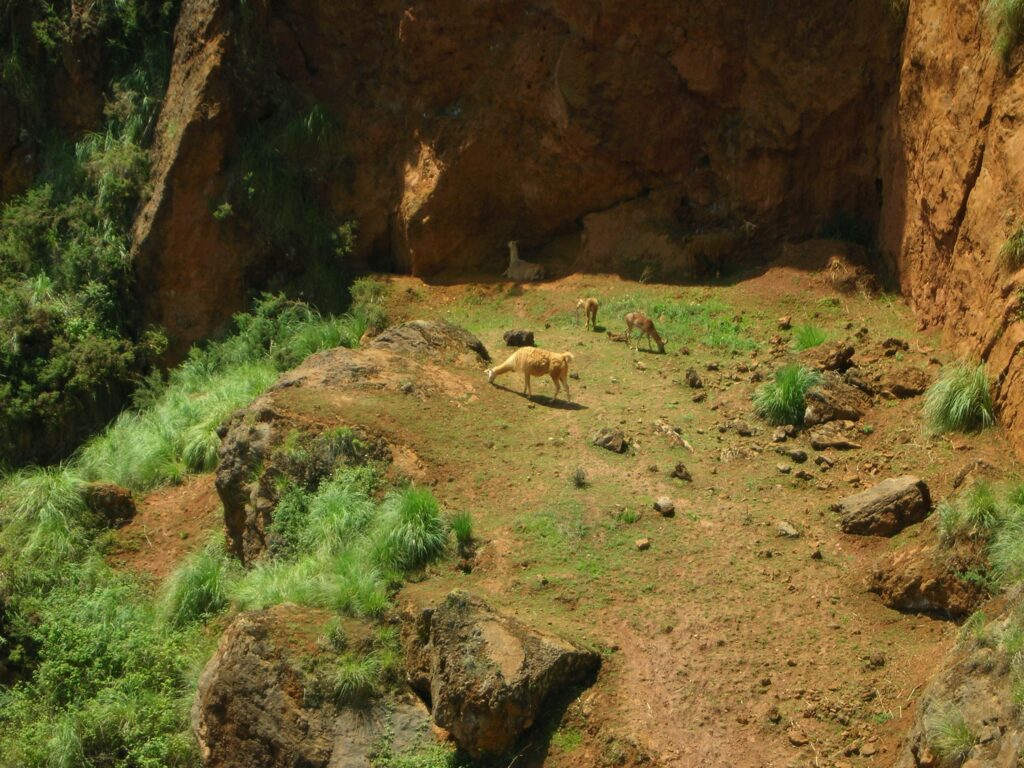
{"x": 973, "y": 691}
{"x": 111, "y": 503}
{"x": 833, "y": 399}
{"x": 830, "y": 356}
{"x": 885, "y": 509}
{"x": 319, "y": 408}
{"x": 250, "y": 708}
{"x": 487, "y": 675}
{"x": 924, "y": 576}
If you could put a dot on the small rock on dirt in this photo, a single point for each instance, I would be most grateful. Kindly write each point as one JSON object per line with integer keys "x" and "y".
{"x": 833, "y": 356}
{"x": 788, "y": 530}
{"x": 887, "y": 508}
{"x": 906, "y": 382}
{"x": 785, "y": 323}
{"x": 518, "y": 338}
{"x": 834, "y": 400}
{"x": 779, "y": 435}
{"x": 803, "y": 474}
{"x": 612, "y": 440}
{"x": 797, "y": 738}
{"x": 665, "y": 507}
{"x": 643, "y": 544}
{"x": 743, "y": 429}
{"x": 796, "y": 454}
{"x": 693, "y": 379}
{"x": 823, "y": 439}
{"x": 680, "y": 472}
{"x": 785, "y": 469}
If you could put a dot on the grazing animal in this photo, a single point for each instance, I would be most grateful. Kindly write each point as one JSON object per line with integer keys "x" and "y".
{"x": 590, "y": 305}
{"x": 519, "y": 270}
{"x": 533, "y": 361}
{"x": 645, "y": 326}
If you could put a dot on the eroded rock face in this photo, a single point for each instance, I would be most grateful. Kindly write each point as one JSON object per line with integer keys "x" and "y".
{"x": 317, "y": 408}
{"x": 830, "y": 356}
{"x": 487, "y": 676}
{"x": 924, "y": 576}
{"x": 887, "y": 508}
{"x": 973, "y": 683}
{"x": 250, "y": 707}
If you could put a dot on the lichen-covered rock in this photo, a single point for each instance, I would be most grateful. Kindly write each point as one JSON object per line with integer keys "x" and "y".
{"x": 250, "y": 707}
{"x": 887, "y": 508}
{"x": 487, "y": 675}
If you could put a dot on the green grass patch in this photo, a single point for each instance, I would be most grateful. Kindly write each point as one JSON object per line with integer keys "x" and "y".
{"x": 808, "y": 335}
{"x": 462, "y": 526}
{"x": 1011, "y": 255}
{"x": 782, "y": 401}
{"x": 199, "y": 588}
{"x": 710, "y": 322}
{"x": 1006, "y": 19}
{"x": 974, "y": 514}
{"x": 960, "y": 400}
{"x": 947, "y": 731}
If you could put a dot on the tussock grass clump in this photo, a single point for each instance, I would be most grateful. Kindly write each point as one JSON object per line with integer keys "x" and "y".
{"x": 808, "y": 335}
{"x": 413, "y": 532}
{"x": 462, "y": 526}
{"x": 579, "y": 478}
{"x": 1011, "y": 255}
{"x": 960, "y": 400}
{"x": 947, "y": 731}
{"x": 199, "y": 588}
{"x": 782, "y": 401}
{"x": 974, "y": 514}
{"x": 1006, "y": 18}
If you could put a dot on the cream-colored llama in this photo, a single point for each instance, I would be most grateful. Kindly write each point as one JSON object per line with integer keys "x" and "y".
{"x": 645, "y": 325}
{"x": 520, "y": 270}
{"x": 590, "y": 305}
{"x": 532, "y": 361}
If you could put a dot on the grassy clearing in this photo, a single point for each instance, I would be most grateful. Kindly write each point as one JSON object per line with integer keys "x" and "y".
{"x": 808, "y": 335}
{"x": 711, "y": 323}
{"x": 960, "y": 400}
{"x": 1006, "y": 18}
{"x": 782, "y": 400}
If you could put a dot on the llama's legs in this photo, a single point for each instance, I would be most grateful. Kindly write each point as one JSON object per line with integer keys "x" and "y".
{"x": 526, "y": 385}
{"x": 554, "y": 378}
{"x": 565, "y": 380}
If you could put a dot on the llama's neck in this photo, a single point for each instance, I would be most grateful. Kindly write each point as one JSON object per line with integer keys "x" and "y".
{"x": 513, "y": 252}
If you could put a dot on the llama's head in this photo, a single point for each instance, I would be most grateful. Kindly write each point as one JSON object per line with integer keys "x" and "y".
{"x": 513, "y": 246}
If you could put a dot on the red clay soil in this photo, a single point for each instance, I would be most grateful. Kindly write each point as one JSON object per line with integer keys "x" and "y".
{"x": 171, "y": 523}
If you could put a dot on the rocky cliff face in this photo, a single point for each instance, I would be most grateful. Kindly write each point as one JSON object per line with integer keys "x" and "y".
{"x": 603, "y": 135}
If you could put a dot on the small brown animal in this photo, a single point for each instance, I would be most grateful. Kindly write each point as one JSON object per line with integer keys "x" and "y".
{"x": 645, "y": 326}
{"x": 617, "y": 336}
{"x": 533, "y": 361}
{"x": 590, "y": 305}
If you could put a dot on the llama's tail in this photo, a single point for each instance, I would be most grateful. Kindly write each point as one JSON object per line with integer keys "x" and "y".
{"x": 567, "y": 357}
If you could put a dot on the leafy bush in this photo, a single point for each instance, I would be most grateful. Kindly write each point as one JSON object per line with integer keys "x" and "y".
{"x": 808, "y": 335}
{"x": 782, "y": 401}
{"x": 960, "y": 399}
{"x": 1006, "y": 18}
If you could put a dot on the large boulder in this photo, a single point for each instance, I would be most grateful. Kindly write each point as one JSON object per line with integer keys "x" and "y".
{"x": 905, "y": 382}
{"x": 924, "y": 576}
{"x": 487, "y": 675}
{"x": 433, "y": 339}
{"x": 834, "y": 400}
{"x": 887, "y": 508}
{"x": 830, "y": 356}
{"x": 518, "y": 338}
{"x": 251, "y": 705}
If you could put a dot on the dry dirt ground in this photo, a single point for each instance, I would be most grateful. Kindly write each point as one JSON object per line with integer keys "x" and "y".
{"x": 724, "y": 644}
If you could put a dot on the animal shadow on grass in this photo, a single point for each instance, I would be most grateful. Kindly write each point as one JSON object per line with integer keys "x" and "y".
{"x": 599, "y": 329}
{"x": 546, "y": 400}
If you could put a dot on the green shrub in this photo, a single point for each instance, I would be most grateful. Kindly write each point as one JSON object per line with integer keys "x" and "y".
{"x": 199, "y": 588}
{"x": 960, "y": 400}
{"x": 412, "y": 532}
{"x": 782, "y": 401}
{"x": 462, "y": 527}
{"x": 808, "y": 335}
{"x": 973, "y": 514}
{"x": 1006, "y": 552}
{"x": 947, "y": 732}
{"x": 1006, "y": 18}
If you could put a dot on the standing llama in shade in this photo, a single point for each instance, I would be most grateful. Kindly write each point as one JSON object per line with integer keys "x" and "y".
{"x": 519, "y": 270}
{"x": 590, "y": 305}
{"x": 533, "y": 361}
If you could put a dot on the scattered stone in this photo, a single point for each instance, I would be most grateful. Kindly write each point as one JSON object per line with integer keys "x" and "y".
{"x": 831, "y": 356}
{"x": 785, "y": 323}
{"x": 784, "y": 468}
{"x": 779, "y": 435}
{"x": 114, "y": 504}
{"x": 824, "y": 461}
{"x": 518, "y": 338}
{"x": 803, "y": 474}
{"x": 693, "y": 379}
{"x": 652, "y": 467}
{"x": 700, "y": 397}
{"x": 743, "y": 429}
{"x": 407, "y": 388}
{"x": 826, "y": 438}
{"x": 639, "y": 366}
{"x": 868, "y": 750}
{"x": 612, "y": 440}
{"x": 712, "y": 366}
{"x": 816, "y": 554}
{"x": 796, "y": 454}
{"x": 643, "y": 544}
{"x": 788, "y": 531}
{"x": 974, "y": 467}
{"x": 892, "y": 346}
{"x": 681, "y": 472}
{"x": 773, "y": 715}
{"x": 797, "y": 738}
{"x": 885, "y": 509}
{"x": 906, "y": 382}
{"x": 862, "y": 332}
{"x": 665, "y": 507}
